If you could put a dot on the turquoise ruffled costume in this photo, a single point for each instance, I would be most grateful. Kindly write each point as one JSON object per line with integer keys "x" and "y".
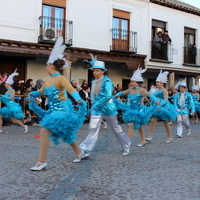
{"x": 11, "y": 108}
{"x": 60, "y": 119}
{"x": 165, "y": 111}
{"x": 196, "y": 103}
{"x": 135, "y": 111}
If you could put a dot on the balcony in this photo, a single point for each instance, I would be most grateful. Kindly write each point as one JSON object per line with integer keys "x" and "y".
{"x": 191, "y": 56}
{"x": 52, "y": 28}
{"x": 161, "y": 52}
{"x": 123, "y": 41}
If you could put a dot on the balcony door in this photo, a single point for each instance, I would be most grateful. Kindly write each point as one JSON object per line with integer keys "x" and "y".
{"x": 53, "y": 21}
{"x": 120, "y": 35}
{"x": 120, "y": 30}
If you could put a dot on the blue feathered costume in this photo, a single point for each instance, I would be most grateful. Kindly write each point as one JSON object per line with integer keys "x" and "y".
{"x": 135, "y": 111}
{"x": 11, "y": 108}
{"x": 60, "y": 119}
{"x": 165, "y": 111}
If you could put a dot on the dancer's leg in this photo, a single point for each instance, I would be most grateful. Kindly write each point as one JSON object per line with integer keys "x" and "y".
{"x": 152, "y": 127}
{"x": 168, "y": 129}
{"x": 1, "y": 123}
{"x": 130, "y": 130}
{"x": 17, "y": 121}
{"x": 88, "y": 144}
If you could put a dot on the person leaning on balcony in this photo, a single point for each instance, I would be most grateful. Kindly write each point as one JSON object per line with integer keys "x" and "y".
{"x": 164, "y": 47}
{"x": 156, "y": 48}
{"x": 59, "y": 122}
{"x": 193, "y": 54}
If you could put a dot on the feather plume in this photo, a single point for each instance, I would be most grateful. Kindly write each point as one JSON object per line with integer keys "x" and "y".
{"x": 162, "y": 76}
{"x": 153, "y": 89}
{"x": 137, "y": 76}
{"x": 57, "y": 52}
{"x": 10, "y": 78}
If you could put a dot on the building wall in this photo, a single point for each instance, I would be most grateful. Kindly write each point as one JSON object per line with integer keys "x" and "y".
{"x": 19, "y": 20}
{"x": 176, "y": 21}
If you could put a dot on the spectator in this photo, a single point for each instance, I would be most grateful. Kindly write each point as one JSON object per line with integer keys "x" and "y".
{"x": 193, "y": 53}
{"x": 156, "y": 45}
{"x": 165, "y": 41}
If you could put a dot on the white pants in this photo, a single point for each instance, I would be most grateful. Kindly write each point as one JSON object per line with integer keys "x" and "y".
{"x": 94, "y": 126}
{"x": 183, "y": 120}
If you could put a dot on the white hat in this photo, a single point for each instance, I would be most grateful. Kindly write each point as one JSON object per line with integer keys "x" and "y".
{"x": 96, "y": 63}
{"x": 162, "y": 77}
{"x": 137, "y": 76}
{"x": 57, "y": 52}
{"x": 10, "y": 78}
{"x": 183, "y": 83}
{"x": 195, "y": 87}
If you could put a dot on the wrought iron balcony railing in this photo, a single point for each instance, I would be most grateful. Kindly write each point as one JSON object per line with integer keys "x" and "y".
{"x": 52, "y": 28}
{"x": 191, "y": 55}
{"x": 161, "y": 51}
{"x": 123, "y": 40}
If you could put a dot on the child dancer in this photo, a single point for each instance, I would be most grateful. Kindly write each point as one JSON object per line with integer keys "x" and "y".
{"x": 165, "y": 111}
{"x": 195, "y": 97}
{"x": 137, "y": 114}
{"x": 103, "y": 107}
{"x": 11, "y": 109}
{"x": 60, "y": 121}
{"x": 184, "y": 105}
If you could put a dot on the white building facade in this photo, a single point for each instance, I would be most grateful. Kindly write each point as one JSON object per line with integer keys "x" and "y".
{"x": 119, "y": 32}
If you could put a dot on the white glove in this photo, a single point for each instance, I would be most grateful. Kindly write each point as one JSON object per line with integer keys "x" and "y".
{"x": 178, "y": 110}
{"x": 153, "y": 89}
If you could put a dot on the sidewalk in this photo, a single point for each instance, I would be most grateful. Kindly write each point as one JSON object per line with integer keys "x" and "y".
{"x": 157, "y": 171}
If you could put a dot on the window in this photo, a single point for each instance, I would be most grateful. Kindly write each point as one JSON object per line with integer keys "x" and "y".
{"x": 53, "y": 17}
{"x": 189, "y": 46}
{"x": 120, "y": 30}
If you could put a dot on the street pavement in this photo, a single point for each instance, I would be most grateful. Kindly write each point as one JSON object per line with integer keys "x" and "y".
{"x": 157, "y": 171}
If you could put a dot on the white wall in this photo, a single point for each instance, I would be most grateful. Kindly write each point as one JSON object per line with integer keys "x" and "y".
{"x": 36, "y": 69}
{"x": 19, "y": 20}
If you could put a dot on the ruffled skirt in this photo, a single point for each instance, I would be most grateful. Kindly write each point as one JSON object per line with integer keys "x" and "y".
{"x": 166, "y": 112}
{"x": 62, "y": 124}
{"x": 11, "y": 110}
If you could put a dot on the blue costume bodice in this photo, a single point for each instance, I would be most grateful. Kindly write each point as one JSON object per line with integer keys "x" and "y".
{"x": 135, "y": 101}
{"x": 54, "y": 103}
{"x": 159, "y": 95}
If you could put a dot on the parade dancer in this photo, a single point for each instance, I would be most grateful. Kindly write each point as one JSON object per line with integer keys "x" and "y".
{"x": 11, "y": 109}
{"x": 184, "y": 105}
{"x": 195, "y": 97}
{"x": 60, "y": 122}
{"x": 136, "y": 113}
{"x": 165, "y": 111}
{"x": 103, "y": 107}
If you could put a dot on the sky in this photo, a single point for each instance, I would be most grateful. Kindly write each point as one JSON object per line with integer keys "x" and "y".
{"x": 195, "y": 3}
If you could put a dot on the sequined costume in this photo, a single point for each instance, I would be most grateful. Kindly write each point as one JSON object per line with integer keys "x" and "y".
{"x": 135, "y": 111}
{"x": 195, "y": 98}
{"x": 165, "y": 111}
{"x": 60, "y": 119}
{"x": 184, "y": 105}
{"x": 11, "y": 108}
{"x": 103, "y": 106}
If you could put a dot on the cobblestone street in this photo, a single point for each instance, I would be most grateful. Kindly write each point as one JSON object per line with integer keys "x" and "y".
{"x": 157, "y": 171}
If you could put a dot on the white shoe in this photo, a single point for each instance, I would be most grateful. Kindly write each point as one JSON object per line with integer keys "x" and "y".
{"x": 1, "y": 131}
{"x": 39, "y": 168}
{"x": 105, "y": 124}
{"x": 148, "y": 139}
{"x": 141, "y": 144}
{"x": 25, "y": 129}
{"x": 126, "y": 152}
{"x": 189, "y": 132}
{"x": 168, "y": 141}
{"x": 79, "y": 157}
